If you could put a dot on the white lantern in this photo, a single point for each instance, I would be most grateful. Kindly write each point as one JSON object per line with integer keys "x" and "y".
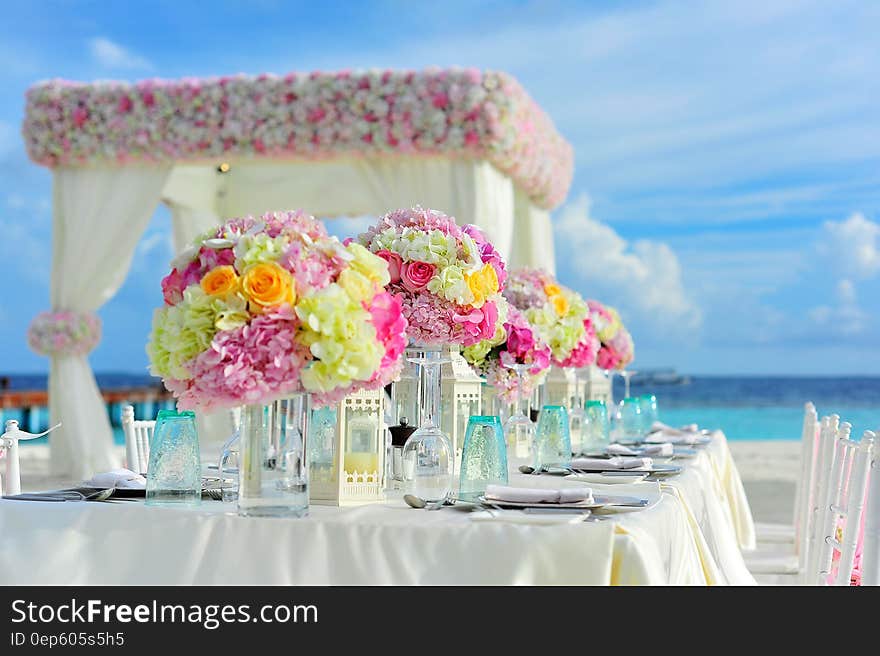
{"x": 596, "y": 385}
{"x": 460, "y": 397}
{"x": 347, "y": 451}
{"x": 561, "y": 388}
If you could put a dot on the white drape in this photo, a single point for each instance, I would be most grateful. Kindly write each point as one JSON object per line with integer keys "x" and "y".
{"x": 99, "y": 216}
{"x": 470, "y": 190}
{"x": 532, "y": 243}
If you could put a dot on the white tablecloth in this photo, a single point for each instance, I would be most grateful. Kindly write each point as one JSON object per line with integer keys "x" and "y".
{"x": 689, "y": 535}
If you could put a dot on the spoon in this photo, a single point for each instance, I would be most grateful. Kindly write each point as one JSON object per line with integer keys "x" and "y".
{"x": 418, "y": 502}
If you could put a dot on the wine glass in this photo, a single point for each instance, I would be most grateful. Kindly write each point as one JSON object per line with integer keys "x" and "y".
{"x": 519, "y": 430}
{"x": 626, "y": 374}
{"x": 427, "y": 454}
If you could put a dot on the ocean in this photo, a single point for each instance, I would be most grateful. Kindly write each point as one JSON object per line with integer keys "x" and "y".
{"x": 745, "y": 408}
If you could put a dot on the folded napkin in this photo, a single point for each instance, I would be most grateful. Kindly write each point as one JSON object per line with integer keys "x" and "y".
{"x": 122, "y": 478}
{"x": 663, "y": 449}
{"x": 678, "y": 437}
{"x": 538, "y": 495}
{"x": 617, "y": 462}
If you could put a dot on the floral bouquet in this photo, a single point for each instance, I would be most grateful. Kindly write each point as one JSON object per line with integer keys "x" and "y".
{"x": 262, "y": 308}
{"x": 64, "y": 333}
{"x": 448, "y": 277}
{"x": 515, "y": 343}
{"x": 617, "y": 349}
{"x": 558, "y": 315}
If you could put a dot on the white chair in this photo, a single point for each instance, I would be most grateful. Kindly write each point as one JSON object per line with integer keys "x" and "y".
{"x": 138, "y": 434}
{"x": 791, "y": 534}
{"x": 871, "y": 546}
{"x": 845, "y": 499}
{"x": 829, "y": 435}
{"x": 787, "y": 544}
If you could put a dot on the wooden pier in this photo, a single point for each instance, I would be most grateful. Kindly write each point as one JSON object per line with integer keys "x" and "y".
{"x": 30, "y": 407}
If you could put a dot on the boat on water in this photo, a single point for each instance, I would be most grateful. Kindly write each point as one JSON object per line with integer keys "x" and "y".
{"x": 667, "y": 376}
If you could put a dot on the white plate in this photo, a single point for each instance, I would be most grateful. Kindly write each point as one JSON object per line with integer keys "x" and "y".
{"x": 579, "y": 505}
{"x": 610, "y": 479}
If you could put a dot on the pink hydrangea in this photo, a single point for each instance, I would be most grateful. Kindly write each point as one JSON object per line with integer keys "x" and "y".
{"x": 584, "y": 354}
{"x": 253, "y": 364}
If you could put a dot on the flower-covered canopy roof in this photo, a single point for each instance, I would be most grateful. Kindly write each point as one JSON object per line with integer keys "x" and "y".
{"x": 454, "y": 113}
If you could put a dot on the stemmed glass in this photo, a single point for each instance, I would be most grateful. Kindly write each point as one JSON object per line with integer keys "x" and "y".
{"x": 626, "y": 374}
{"x": 519, "y": 431}
{"x": 427, "y": 454}
{"x": 576, "y": 416}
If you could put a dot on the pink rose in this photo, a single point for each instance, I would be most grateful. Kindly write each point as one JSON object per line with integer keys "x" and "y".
{"x": 519, "y": 341}
{"x": 172, "y": 288}
{"x": 415, "y": 275}
{"x": 395, "y": 263}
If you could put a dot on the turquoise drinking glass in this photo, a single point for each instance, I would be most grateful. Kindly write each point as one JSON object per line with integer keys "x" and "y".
{"x": 484, "y": 456}
{"x": 174, "y": 474}
{"x": 648, "y": 408}
{"x": 596, "y": 429}
{"x": 628, "y": 424}
{"x": 552, "y": 438}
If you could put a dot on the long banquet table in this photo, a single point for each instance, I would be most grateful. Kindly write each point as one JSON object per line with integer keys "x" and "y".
{"x": 691, "y": 534}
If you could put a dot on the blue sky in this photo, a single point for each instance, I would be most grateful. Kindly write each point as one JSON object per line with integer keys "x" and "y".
{"x": 727, "y": 186}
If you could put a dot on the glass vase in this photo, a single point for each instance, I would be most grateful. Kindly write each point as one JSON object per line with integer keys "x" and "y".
{"x": 274, "y": 474}
{"x": 519, "y": 430}
{"x": 174, "y": 473}
{"x": 427, "y": 454}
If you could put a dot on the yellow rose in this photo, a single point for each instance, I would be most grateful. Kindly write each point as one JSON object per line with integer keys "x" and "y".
{"x": 490, "y": 277}
{"x": 358, "y": 286}
{"x": 483, "y": 284}
{"x": 560, "y": 304}
{"x": 552, "y": 289}
{"x": 266, "y": 284}
{"x": 220, "y": 281}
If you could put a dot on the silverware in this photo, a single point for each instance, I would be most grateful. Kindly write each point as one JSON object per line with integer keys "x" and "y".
{"x": 414, "y": 501}
{"x": 63, "y": 495}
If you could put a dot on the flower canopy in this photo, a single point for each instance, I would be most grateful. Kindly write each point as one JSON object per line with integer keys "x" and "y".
{"x": 461, "y": 112}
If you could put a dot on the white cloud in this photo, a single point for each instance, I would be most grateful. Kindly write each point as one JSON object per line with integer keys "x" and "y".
{"x": 110, "y": 54}
{"x": 852, "y": 246}
{"x": 644, "y": 278}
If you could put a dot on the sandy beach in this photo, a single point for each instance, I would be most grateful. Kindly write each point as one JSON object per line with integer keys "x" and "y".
{"x": 769, "y": 470}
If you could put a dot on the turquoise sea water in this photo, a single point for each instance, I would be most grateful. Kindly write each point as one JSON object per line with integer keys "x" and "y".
{"x": 745, "y": 408}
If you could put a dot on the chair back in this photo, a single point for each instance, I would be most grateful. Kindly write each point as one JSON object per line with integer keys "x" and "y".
{"x": 871, "y": 546}
{"x": 844, "y": 500}
{"x": 828, "y": 429}
{"x": 803, "y": 496}
{"x": 138, "y": 434}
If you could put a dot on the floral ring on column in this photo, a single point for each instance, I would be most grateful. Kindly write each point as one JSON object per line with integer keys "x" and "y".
{"x": 262, "y": 308}
{"x": 65, "y": 332}
{"x": 557, "y": 314}
{"x": 448, "y": 278}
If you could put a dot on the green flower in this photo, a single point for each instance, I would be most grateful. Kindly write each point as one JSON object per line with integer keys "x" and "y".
{"x": 182, "y": 331}
{"x": 340, "y": 335}
{"x": 449, "y": 283}
{"x": 252, "y": 249}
